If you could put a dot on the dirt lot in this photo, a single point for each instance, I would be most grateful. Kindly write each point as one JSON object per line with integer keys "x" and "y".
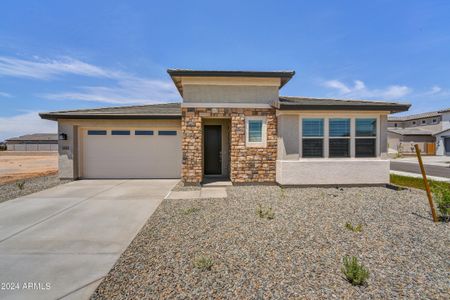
{"x": 14, "y": 167}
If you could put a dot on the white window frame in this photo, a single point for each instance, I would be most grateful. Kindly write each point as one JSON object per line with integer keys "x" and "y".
{"x": 349, "y": 138}
{"x": 326, "y": 138}
{"x": 376, "y": 137}
{"x": 263, "y": 142}
{"x": 324, "y": 148}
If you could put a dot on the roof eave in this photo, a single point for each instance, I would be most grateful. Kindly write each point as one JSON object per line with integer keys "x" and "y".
{"x": 390, "y": 108}
{"x": 55, "y": 117}
{"x": 176, "y": 74}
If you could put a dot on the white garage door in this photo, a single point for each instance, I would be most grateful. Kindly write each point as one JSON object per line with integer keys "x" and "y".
{"x": 130, "y": 153}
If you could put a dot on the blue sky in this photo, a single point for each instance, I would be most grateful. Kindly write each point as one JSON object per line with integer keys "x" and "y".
{"x": 57, "y": 55}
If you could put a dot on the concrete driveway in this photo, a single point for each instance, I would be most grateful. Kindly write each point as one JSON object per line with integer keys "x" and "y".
{"x": 60, "y": 243}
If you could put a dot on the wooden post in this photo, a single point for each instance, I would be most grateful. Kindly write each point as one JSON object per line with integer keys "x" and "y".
{"x": 425, "y": 180}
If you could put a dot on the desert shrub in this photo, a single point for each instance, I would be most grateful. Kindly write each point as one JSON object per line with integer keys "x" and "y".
{"x": 442, "y": 196}
{"x": 357, "y": 228}
{"x": 203, "y": 263}
{"x": 265, "y": 213}
{"x": 355, "y": 272}
{"x": 20, "y": 185}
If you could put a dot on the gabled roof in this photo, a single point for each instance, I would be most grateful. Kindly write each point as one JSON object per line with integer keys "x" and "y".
{"x": 176, "y": 75}
{"x": 415, "y": 116}
{"x": 151, "y": 111}
{"x": 307, "y": 103}
{"x": 35, "y": 137}
{"x": 444, "y": 110}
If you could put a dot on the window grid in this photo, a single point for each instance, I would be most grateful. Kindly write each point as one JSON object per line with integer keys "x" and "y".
{"x": 255, "y": 131}
{"x": 362, "y": 137}
{"x": 339, "y": 137}
{"x": 313, "y": 138}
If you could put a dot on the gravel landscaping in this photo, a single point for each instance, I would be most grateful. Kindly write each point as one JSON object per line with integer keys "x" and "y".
{"x": 221, "y": 248}
{"x": 32, "y": 185}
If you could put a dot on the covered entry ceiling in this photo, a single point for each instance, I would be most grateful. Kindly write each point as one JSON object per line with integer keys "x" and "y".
{"x": 130, "y": 153}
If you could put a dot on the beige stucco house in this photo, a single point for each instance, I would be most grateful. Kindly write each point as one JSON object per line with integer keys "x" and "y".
{"x": 231, "y": 124}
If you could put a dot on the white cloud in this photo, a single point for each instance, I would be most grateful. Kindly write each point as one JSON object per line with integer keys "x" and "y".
{"x": 121, "y": 88}
{"x": 25, "y": 123}
{"x": 360, "y": 90}
{"x": 126, "y": 91}
{"x": 435, "y": 90}
{"x": 6, "y": 95}
{"x": 49, "y": 68}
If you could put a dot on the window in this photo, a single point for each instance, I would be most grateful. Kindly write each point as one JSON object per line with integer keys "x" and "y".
{"x": 96, "y": 132}
{"x": 395, "y": 125}
{"x": 434, "y": 120}
{"x": 312, "y": 140}
{"x": 256, "y": 131}
{"x": 167, "y": 132}
{"x": 366, "y": 137}
{"x": 424, "y": 121}
{"x": 339, "y": 138}
{"x": 120, "y": 132}
{"x": 143, "y": 132}
{"x": 414, "y": 122}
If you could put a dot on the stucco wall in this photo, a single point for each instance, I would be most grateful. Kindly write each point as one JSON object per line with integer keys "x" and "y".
{"x": 445, "y": 120}
{"x": 333, "y": 171}
{"x": 288, "y": 137}
{"x": 229, "y": 94}
{"x": 68, "y": 151}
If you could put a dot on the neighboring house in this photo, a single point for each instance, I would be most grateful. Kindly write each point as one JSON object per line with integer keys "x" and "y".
{"x": 230, "y": 124}
{"x": 431, "y": 131}
{"x": 33, "y": 142}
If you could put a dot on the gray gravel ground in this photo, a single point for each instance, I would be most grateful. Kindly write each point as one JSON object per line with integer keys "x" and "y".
{"x": 298, "y": 254}
{"x": 11, "y": 190}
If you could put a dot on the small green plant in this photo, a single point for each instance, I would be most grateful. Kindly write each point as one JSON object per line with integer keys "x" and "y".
{"x": 357, "y": 228}
{"x": 355, "y": 272}
{"x": 203, "y": 263}
{"x": 265, "y": 213}
{"x": 442, "y": 197}
{"x": 20, "y": 185}
{"x": 190, "y": 210}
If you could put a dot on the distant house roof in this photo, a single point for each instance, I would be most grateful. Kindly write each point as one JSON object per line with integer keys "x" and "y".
{"x": 35, "y": 137}
{"x": 306, "y": 103}
{"x": 176, "y": 75}
{"x": 445, "y": 110}
{"x": 411, "y": 131}
{"x": 415, "y": 116}
{"x": 152, "y": 111}
{"x": 429, "y": 129}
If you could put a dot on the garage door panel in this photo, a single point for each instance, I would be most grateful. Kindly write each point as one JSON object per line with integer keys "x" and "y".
{"x": 131, "y": 156}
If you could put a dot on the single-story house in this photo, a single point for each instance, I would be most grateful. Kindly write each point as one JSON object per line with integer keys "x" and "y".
{"x": 33, "y": 142}
{"x": 231, "y": 124}
{"x": 430, "y": 130}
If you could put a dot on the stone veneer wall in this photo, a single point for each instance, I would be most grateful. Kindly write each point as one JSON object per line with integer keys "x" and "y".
{"x": 247, "y": 164}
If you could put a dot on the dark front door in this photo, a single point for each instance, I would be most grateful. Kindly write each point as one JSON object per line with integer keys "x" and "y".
{"x": 213, "y": 149}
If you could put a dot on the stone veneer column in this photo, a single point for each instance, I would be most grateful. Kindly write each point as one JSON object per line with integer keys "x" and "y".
{"x": 192, "y": 162}
{"x": 253, "y": 164}
{"x": 247, "y": 164}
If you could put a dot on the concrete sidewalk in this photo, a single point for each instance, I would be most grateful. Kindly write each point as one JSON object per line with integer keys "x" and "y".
{"x": 61, "y": 242}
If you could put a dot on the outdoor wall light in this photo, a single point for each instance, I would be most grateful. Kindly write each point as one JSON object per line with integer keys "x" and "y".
{"x": 62, "y": 137}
